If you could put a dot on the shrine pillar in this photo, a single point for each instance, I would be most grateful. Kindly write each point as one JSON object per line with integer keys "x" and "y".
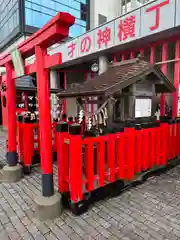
{"x": 12, "y": 172}
{"x": 48, "y": 204}
{"x": 53, "y": 79}
{"x": 103, "y": 64}
{"x": 175, "y": 101}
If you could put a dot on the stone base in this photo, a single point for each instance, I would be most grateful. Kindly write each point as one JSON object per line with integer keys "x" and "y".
{"x": 11, "y": 174}
{"x": 48, "y": 208}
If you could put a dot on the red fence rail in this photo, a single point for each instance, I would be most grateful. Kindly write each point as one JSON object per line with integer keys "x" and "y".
{"x": 28, "y": 141}
{"x": 85, "y": 165}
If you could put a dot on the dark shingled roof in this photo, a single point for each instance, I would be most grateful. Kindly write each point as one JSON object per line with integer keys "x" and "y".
{"x": 25, "y": 83}
{"x": 119, "y": 76}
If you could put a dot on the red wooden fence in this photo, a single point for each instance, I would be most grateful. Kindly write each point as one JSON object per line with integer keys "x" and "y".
{"x": 28, "y": 141}
{"x": 85, "y": 165}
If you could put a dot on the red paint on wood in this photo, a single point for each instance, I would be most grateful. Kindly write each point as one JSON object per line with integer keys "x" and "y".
{"x": 44, "y": 113}
{"x": 164, "y": 70}
{"x": 176, "y": 81}
{"x": 11, "y": 108}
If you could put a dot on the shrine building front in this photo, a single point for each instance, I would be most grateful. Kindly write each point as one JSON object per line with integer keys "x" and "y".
{"x": 152, "y": 30}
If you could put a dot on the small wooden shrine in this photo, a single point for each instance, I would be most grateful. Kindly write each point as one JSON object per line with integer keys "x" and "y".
{"x": 125, "y": 92}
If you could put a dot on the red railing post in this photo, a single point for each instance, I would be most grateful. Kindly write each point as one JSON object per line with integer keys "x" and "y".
{"x": 138, "y": 148}
{"x": 111, "y": 157}
{"x": 89, "y": 164}
{"x": 62, "y": 156}
{"x": 178, "y": 137}
{"x": 174, "y": 139}
{"x": 121, "y": 155}
{"x": 170, "y": 141}
{"x": 101, "y": 161}
{"x": 150, "y": 147}
{"x": 164, "y": 143}
{"x": 28, "y": 144}
{"x": 130, "y": 132}
{"x": 75, "y": 164}
{"x": 157, "y": 146}
{"x": 145, "y": 148}
{"x": 153, "y": 149}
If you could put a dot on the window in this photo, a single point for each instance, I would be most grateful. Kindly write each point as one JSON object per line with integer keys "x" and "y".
{"x": 84, "y": 16}
{"x": 39, "y": 12}
{"x": 101, "y": 19}
{"x": 83, "y": 11}
{"x": 9, "y": 20}
{"x": 83, "y": 8}
{"x": 127, "y": 5}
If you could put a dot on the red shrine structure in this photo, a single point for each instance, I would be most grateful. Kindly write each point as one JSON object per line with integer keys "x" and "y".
{"x": 158, "y": 141}
{"x": 54, "y": 31}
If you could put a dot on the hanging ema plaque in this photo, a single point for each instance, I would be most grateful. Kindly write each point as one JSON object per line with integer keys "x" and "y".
{"x": 17, "y": 62}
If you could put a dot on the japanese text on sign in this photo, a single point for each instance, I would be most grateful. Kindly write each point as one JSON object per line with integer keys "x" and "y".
{"x": 146, "y": 20}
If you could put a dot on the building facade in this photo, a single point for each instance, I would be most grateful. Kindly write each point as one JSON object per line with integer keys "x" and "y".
{"x": 111, "y": 9}
{"x": 144, "y": 29}
{"x": 21, "y": 18}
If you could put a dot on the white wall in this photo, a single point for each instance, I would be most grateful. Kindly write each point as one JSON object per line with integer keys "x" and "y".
{"x": 111, "y": 9}
{"x": 108, "y": 8}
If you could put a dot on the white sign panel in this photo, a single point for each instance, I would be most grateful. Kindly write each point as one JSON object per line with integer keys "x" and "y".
{"x": 127, "y": 28}
{"x": 104, "y": 37}
{"x": 143, "y": 107}
{"x": 157, "y": 16}
{"x": 17, "y": 62}
{"x": 152, "y": 18}
{"x": 86, "y": 44}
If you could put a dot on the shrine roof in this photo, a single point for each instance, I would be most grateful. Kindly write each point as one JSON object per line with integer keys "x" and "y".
{"x": 119, "y": 76}
{"x": 25, "y": 83}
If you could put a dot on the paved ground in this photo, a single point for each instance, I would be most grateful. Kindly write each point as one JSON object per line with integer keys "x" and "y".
{"x": 150, "y": 211}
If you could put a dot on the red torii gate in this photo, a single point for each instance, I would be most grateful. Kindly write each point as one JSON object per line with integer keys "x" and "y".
{"x": 54, "y": 31}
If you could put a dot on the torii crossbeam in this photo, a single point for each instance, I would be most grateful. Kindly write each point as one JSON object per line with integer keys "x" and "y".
{"x": 54, "y": 31}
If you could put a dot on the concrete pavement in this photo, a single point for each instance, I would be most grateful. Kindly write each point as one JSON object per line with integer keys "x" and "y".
{"x": 149, "y": 211}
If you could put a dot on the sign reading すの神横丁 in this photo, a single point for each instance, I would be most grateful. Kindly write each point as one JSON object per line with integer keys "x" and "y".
{"x": 150, "y": 19}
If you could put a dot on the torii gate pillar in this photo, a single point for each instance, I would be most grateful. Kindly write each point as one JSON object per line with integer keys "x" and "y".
{"x": 48, "y": 203}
